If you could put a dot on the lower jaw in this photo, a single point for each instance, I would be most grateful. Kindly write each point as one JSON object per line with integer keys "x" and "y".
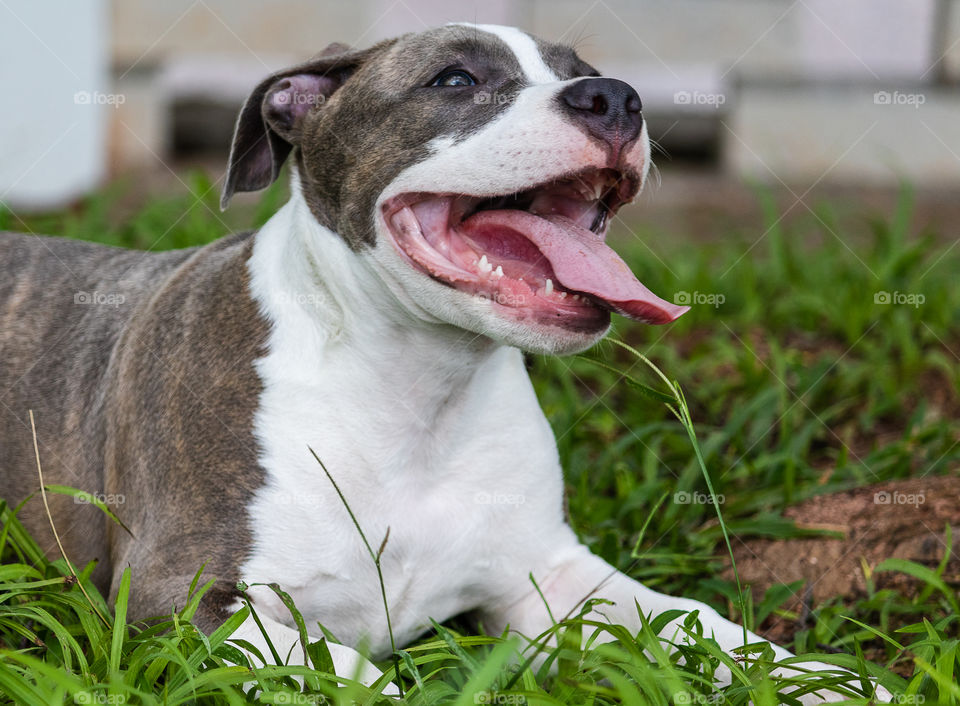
{"x": 585, "y": 320}
{"x": 582, "y": 319}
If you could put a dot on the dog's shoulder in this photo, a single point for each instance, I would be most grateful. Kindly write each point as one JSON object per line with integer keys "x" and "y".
{"x": 201, "y": 327}
{"x": 203, "y": 308}
{"x": 183, "y": 394}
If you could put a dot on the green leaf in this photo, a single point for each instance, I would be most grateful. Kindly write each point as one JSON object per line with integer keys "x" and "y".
{"x": 87, "y": 499}
{"x": 922, "y": 573}
{"x": 645, "y": 390}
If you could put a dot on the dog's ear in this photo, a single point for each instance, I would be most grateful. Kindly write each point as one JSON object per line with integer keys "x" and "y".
{"x": 271, "y": 118}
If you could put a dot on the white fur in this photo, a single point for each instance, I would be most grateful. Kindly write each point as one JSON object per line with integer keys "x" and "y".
{"x": 524, "y": 48}
{"x": 415, "y": 421}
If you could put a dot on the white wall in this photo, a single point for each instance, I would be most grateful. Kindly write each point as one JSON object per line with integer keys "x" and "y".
{"x": 54, "y": 60}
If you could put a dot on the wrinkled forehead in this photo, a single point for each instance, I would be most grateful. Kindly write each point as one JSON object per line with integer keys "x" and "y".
{"x": 508, "y": 50}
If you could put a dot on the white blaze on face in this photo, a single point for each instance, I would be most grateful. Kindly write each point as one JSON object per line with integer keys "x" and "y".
{"x": 525, "y": 49}
{"x": 529, "y": 142}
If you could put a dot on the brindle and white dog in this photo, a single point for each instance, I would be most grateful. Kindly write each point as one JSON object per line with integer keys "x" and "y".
{"x": 451, "y": 193}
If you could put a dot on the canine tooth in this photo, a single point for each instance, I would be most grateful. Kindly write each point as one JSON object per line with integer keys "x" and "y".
{"x": 549, "y": 286}
{"x": 499, "y": 271}
{"x": 484, "y": 266}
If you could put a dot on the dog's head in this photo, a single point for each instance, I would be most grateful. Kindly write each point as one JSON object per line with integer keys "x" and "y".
{"x": 474, "y": 168}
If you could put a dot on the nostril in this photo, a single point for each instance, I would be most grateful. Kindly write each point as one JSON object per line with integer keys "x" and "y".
{"x": 599, "y": 106}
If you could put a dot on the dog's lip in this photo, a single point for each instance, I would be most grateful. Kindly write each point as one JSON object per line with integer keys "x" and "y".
{"x": 546, "y": 255}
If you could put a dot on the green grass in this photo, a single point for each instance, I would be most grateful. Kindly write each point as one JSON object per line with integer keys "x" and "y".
{"x": 798, "y": 384}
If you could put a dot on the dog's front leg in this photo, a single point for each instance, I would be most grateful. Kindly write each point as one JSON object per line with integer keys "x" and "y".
{"x": 347, "y": 662}
{"x": 575, "y": 574}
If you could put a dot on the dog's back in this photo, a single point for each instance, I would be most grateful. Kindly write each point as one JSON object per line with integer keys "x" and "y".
{"x": 63, "y": 304}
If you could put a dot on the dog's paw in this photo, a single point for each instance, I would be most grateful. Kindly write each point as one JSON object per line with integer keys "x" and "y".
{"x": 351, "y": 664}
{"x": 347, "y": 663}
{"x": 883, "y": 696}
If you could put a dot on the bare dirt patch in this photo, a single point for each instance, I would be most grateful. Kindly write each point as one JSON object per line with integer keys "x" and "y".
{"x": 904, "y": 519}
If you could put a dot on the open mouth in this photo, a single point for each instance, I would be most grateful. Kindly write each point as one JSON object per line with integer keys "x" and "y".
{"x": 539, "y": 253}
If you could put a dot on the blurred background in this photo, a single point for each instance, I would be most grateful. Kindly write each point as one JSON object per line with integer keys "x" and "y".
{"x": 806, "y": 95}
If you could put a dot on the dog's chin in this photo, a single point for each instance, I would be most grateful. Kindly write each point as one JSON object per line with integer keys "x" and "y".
{"x": 547, "y": 340}
{"x": 530, "y": 329}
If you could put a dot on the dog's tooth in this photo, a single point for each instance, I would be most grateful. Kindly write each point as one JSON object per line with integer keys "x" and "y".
{"x": 563, "y": 295}
{"x": 499, "y": 271}
{"x": 484, "y": 266}
{"x": 577, "y": 297}
{"x": 548, "y": 288}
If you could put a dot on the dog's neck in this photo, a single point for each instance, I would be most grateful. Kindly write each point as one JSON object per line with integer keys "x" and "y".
{"x": 328, "y": 305}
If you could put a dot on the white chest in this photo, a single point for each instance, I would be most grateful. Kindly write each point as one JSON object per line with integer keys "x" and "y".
{"x": 453, "y": 484}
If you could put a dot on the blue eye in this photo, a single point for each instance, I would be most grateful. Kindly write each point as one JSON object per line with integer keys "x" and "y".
{"x": 457, "y": 77}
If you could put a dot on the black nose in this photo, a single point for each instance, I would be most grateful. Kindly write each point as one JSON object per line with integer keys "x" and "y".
{"x": 608, "y": 108}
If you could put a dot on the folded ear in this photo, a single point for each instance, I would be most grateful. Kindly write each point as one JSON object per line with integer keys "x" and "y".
{"x": 270, "y": 121}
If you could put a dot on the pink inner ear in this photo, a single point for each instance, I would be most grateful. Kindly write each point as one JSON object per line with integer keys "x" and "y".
{"x": 294, "y": 96}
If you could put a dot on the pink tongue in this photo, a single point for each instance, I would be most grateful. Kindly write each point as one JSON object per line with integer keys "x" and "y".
{"x": 581, "y": 261}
